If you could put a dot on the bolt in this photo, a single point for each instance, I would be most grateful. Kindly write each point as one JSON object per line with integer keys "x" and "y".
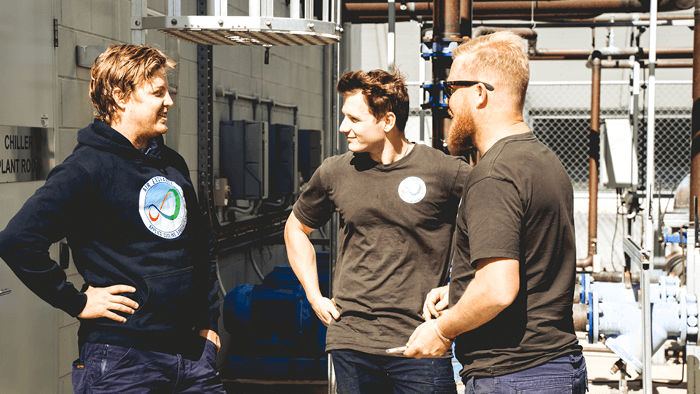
{"x": 138, "y": 23}
{"x": 221, "y": 22}
{"x": 268, "y": 23}
{"x": 311, "y": 25}
{"x": 173, "y": 22}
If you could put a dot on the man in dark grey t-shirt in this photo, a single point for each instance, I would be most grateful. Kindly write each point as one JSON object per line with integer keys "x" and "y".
{"x": 397, "y": 203}
{"x": 514, "y": 261}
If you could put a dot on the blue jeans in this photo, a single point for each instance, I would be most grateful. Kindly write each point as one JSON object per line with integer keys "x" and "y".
{"x": 106, "y": 368}
{"x": 563, "y": 375}
{"x": 362, "y": 373}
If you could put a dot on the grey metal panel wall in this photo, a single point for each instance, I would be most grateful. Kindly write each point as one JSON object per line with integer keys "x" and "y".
{"x": 29, "y": 328}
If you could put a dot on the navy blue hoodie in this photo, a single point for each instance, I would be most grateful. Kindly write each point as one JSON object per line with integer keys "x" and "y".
{"x": 130, "y": 217}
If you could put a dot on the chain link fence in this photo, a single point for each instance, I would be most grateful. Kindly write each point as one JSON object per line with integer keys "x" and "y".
{"x": 559, "y": 114}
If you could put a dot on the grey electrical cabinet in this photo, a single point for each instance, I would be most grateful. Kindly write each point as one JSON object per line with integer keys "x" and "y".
{"x": 283, "y": 164}
{"x": 244, "y": 158}
{"x": 618, "y": 154}
{"x": 309, "y": 152}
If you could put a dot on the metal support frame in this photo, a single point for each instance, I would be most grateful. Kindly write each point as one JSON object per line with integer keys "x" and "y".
{"x": 259, "y": 28}
{"x": 651, "y": 214}
{"x": 205, "y": 121}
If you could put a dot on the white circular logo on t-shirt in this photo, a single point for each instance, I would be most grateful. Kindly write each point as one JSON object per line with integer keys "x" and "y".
{"x": 162, "y": 207}
{"x": 412, "y": 189}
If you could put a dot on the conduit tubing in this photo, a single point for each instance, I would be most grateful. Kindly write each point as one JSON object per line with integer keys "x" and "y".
{"x": 593, "y": 156}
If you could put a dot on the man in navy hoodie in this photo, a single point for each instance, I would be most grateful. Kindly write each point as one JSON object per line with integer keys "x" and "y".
{"x": 126, "y": 205}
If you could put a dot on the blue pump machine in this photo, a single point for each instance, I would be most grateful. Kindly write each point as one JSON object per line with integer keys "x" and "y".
{"x": 277, "y": 334}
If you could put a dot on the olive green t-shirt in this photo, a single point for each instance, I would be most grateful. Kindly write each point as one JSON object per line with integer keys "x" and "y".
{"x": 518, "y": 204}
{"x": 396, "y": 226}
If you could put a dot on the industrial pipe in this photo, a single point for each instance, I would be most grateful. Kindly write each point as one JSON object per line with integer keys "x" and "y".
{"x": 624, "y": 53}
{"x": 593, "y": 156}
{"x": 664, "y": 63}
{"x": 527, "y": 34}
{"x": 446, "y": 14}
{"x": 446, "y": 35}
{"x": 695, "y": 139}
{"x": 377, "y": 12}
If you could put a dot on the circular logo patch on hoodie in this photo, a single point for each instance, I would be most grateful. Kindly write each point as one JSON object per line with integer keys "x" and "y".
{"x": 412, "y": 189}
{"x": 162, "y": 207}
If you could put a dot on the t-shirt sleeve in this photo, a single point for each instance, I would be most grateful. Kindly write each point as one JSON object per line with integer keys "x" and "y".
{"x": 314, "y": 207}
{"x": 494, "y": 215}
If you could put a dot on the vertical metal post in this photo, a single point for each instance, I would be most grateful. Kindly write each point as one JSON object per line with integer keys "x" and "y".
{"x": 294, "y": 8}
{"x": 649, "y": 223}
{"x": 391, "y": 35}
{"x": 325, "y": 14}
{"x": 138, "y": 11}
{"x": 308, "y": 9}
{"x": 267, "y": 8}
{"x": 693, "y": 352}
{"x": 174, "y": 8}
{"x": 334, "y": 228}
{"x": 634, "y": 111}
{"x": 205, "y": 120}
{"x": 254, "y": 8}
{"x": 446, "y": 30}
{"x": 218, "y": 7}
{"x": 593, "y": 160}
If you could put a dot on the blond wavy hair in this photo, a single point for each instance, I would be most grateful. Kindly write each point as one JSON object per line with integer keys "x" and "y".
{"x": 125, "y": 67}
{"x": 502, "y": 54}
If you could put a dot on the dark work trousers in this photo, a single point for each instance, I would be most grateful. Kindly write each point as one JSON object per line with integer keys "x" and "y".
{"x": 114, "y": 369}
{"x": 563, "y": 375}
{"x": 358, "y": 372}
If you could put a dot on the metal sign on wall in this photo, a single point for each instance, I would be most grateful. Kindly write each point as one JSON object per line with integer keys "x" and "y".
{"x": 26, "y": 153}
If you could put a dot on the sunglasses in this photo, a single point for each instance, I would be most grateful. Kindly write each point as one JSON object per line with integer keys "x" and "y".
{"x": 451, "y": 86}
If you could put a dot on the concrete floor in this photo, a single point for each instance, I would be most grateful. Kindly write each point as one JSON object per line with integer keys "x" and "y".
{"x": 666, "y": 377}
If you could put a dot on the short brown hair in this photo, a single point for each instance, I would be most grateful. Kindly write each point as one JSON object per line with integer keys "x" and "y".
{"x": 383, "y": 92}
{"x": 500, "y": 53}
{"x": 125, "y": 67}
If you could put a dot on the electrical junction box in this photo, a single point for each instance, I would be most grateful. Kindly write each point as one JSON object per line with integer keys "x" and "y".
{"x": 244, "y": 158}
{"x": 618, "y": 155}
{"x": 309, "y": 152}
{"x": 221, "y": 192}
{"x": 283, "y": 164}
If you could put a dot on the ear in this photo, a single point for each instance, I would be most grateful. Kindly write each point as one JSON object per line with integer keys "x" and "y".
{"x": 118, "y": 96}
{"x": 389, "y": 121}
{"x": 483, "y": 97}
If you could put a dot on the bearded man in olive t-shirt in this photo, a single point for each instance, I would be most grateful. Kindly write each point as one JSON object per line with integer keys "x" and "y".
{"x": 397, "y": 203}
{"x": 512, "y": 282}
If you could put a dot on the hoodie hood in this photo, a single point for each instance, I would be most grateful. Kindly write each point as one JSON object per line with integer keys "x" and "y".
{"x": 100, "y": 135}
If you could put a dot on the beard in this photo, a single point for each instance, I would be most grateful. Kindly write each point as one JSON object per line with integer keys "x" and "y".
{"x": 462, "y": 130}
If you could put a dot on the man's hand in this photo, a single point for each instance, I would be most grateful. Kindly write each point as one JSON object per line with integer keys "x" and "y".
{"x": 325, "y": 309}
{"x": 212, "y": 336}
{"x": 424, "y": 342}
{"x": 101, "y": 301}
{"x": 435, "y": 302}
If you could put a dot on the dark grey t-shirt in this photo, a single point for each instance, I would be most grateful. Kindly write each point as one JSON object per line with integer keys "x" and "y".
{"x": 396, "y": 226}
{"x": 518, "y": 204}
